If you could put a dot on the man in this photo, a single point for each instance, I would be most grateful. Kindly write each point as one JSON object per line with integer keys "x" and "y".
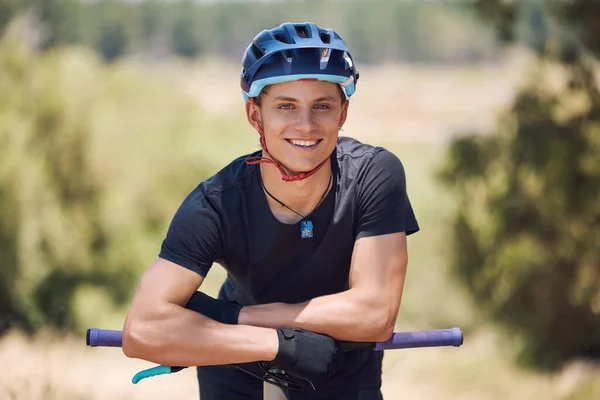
{"x": 311, "y": 230}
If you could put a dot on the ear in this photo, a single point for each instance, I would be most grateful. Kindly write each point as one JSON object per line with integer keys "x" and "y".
{"x": 344, "y": 113}
{"x": 253, "y": 114}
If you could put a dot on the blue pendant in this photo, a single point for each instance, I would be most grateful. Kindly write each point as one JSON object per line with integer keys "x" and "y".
{"x": 306, "y": 229}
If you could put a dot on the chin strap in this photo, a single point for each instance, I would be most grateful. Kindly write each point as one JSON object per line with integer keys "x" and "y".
{"x": 284, "y": 175}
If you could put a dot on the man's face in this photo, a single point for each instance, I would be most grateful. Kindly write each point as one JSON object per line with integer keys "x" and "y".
{"x": 301, "y": 121}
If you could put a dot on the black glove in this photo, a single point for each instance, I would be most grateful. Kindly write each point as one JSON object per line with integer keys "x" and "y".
{"x": 307, "y": 354}
{"x": 219, "y": 310}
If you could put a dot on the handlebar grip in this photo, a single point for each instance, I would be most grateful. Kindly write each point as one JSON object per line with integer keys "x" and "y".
{"x": 103, "y": 337}
{"x": 433, "y": 338}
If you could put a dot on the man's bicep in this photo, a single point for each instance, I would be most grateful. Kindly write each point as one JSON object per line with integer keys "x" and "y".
{"x": 378, "y": 269}
{"x": 167, "y": 282}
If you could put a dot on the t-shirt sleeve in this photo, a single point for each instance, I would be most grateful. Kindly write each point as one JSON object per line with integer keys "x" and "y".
{"x": 383, "y": 203}
{"x": 193, "y": 239}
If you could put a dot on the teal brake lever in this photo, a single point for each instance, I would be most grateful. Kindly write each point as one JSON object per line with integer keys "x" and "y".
{"x": 155, "y": 371}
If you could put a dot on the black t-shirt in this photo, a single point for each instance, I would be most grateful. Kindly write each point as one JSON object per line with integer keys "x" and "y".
{"x": 226, "y": 219}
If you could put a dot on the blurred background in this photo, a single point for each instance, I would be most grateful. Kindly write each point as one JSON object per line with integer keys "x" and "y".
{"x": 112, "y": 111}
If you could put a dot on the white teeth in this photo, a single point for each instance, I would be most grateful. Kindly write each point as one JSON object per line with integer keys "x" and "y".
{"x": 304, "y": 143}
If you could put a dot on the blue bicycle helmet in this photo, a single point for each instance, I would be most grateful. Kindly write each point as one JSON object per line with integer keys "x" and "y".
{"x": 294, "y": 51}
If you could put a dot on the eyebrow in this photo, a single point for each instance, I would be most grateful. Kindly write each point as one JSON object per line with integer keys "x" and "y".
{"x": 294, "y": 100}
{"x": 285, "y": 98}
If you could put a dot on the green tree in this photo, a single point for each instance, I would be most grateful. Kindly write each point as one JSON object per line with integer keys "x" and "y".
{"x": 52, "y": 239}
{"x": 9, "y": 9}
{"x": 388, "y": 30}
{"x": 527, "y": 230}
{"x": 60, "y": 21}
{"x": 112, "y": 42}
{"x": 185, "y": 41}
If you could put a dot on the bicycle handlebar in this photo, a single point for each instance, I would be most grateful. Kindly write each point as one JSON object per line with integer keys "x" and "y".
{"x": 399, "y": 340}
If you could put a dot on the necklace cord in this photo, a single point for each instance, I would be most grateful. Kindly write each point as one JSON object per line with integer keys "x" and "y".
{"x": 291, "y": 209}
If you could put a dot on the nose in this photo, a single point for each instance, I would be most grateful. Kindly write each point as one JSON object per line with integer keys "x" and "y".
{"x": 305, "y": 122}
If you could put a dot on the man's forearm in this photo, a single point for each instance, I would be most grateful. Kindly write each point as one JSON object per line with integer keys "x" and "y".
{"x": 344, "y": 316}
{"x": 176, "y": 336}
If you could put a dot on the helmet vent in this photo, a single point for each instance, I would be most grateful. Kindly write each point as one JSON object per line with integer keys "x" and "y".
{"x": 325, "y": 38}
{"x": 301, "y": 31}
{"x": 282, "y": 38}
{"x": 256, "y": 51}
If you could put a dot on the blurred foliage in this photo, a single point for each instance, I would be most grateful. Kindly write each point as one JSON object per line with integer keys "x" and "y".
{"x": 51, "y": 239}
{"x": 77, "y": 204}
{"x": 527, "y": 232}
{"x": 388, "y": 30}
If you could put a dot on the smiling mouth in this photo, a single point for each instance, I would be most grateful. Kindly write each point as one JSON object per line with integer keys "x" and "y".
{"x": 304, "y": 143}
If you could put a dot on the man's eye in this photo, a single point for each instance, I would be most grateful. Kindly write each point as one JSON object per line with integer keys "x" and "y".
{"x": 322, "y": 106}
{"x": 286, "y": 106}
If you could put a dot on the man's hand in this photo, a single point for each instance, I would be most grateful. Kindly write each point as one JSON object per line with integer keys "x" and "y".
{"x": 218, "y": 310}
{"x": 309, "y": 355}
